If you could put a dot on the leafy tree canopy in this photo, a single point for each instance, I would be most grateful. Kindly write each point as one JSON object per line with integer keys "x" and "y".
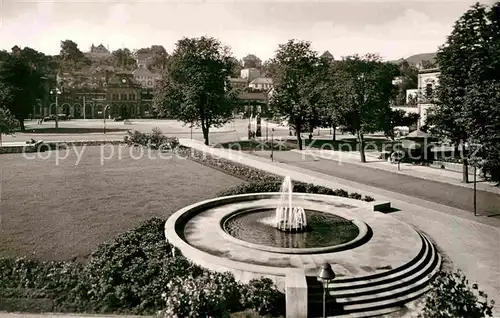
{"x": 20, "y": 87}
{"x": 195, "y": 88}
{"x": 296, "y": 75}
{"x": 466, "y": 99}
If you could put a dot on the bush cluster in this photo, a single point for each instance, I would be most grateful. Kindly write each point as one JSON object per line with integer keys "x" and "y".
{"x": 154, "y": 140}
{"x": 300, "y": 187}
{"x": 137, "y": 273}
{"x": 452, "y": 297}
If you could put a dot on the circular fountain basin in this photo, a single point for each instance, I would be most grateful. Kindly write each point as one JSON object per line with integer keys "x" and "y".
{"x": 326, "y": 232}
{"x": 382, "y": 245}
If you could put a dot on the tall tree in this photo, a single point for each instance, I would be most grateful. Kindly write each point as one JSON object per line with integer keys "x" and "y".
{"x": 366, "y": 89}
{"x": 409, "y": 80}
{"x": 469, "y": 62}
{"x": 329, "y": 104}
{"x": 252, "y": 61}
{"x": 70, "y": 55}
{"x": 20, "y": 87}
{"x": 123, "y": 59}
{"x": 195, "y": 88}
{"x": 295, "y": 94}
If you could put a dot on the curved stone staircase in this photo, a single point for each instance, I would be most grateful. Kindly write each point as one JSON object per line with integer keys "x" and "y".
{"x": 378, "y": 294}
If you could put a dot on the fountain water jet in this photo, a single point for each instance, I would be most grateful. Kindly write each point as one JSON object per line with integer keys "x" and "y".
{"x": 288, "y": 217}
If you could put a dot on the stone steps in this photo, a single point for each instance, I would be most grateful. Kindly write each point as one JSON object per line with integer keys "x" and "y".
{"x": 380, "y": 293}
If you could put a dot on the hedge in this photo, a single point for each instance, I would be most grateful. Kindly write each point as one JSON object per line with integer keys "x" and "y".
{"x": 136, "y": 273}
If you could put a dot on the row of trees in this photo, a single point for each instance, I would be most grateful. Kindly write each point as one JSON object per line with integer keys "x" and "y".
{"x": 310, "y": 91}
{"x": 468, "y": 98}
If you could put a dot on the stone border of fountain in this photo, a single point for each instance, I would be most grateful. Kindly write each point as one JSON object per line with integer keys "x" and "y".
{"x": 362, "y": 227}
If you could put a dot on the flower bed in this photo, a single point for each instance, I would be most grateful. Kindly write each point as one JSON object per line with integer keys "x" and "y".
{"x": 137, "y": 273}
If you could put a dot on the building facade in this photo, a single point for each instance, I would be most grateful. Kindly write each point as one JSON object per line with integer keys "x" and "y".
{"x": 428, "y": 80}
{"x": 146, "y": 78}
{"x": 123, "y": 94}
{"x": 261, "y": 84}
{"x": 249, "y": 74}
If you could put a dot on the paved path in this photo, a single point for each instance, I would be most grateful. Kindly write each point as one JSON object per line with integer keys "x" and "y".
{"x": 417, "y": 171}
{"x": 439, "y": 192}
{"x": 470, "y": 242}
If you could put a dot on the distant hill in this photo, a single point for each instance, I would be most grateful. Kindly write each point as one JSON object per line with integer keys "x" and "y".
{"x": 418, "y": 58}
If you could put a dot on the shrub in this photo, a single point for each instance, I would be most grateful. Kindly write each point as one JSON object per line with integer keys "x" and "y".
{"x": 262, "y": 296}
{"x": 300, "y": 187}
{"x": 137, "y": 272}
{"x": 211, "y": 294}
{"x": 451, "y": 297}
{"x": 155, "y": 140}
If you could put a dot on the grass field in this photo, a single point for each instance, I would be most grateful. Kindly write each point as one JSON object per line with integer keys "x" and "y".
{"x": 58, "y": 212}
{"x": 71, "y": 130}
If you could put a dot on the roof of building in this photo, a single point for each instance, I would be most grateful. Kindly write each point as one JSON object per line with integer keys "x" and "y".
{"x": 327, "y": 54}
{"x": 238, "y": 80}
{"x": 142, "y": 71}
{"x": 123, "y": 80}
{"x": 258, "y": 96}
{"x": 262, "y": 80}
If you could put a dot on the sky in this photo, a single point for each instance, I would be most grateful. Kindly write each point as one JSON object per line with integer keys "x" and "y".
{"x": 391, "y": 28}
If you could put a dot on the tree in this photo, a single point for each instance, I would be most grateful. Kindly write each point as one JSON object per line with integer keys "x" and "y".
{"x": 366, "y": 89}
{"x": 409, "y": 80}
{"x": 469, "y": 60}
{"x": 122, "y": 58}
{"x": 70, "y": 55}
{"x": 195, "y": 88}
{"x": 252, "y": 61}
{"x": 295, "y": 92}
{"x": 451, "y": 297}
{"x": 7, "y": 123}
{"x": 238, "y": 66}
{"x": 20, "y": 87}
{"x": 330, "y": 111}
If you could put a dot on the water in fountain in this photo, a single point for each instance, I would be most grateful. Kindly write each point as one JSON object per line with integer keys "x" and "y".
{"x": 289, "y": 218}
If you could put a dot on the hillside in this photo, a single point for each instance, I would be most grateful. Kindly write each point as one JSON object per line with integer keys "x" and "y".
{"x": 418, "y": 58}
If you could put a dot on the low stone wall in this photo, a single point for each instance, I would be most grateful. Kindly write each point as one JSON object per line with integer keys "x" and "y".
{"x": 50, "y": 145}
{"x": 457, "y": 167}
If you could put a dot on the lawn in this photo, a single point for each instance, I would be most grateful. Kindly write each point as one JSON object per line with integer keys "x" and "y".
{"x": 58, "y": 212}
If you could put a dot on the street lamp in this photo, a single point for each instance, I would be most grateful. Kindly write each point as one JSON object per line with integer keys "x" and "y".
{"x": 104, "y": 115}
{"x": 56, "y": 92}
{"x": 325, "y": 275}
{"x": 272, "y": 144}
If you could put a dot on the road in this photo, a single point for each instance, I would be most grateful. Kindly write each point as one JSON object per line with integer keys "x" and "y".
{"x": 433, "y": 191}
{"x": 236, "y": 130}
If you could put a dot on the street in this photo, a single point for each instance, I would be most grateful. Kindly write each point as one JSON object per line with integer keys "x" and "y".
{"x": 442, "y": 193}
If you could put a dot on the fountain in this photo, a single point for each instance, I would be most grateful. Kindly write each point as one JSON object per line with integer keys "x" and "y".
{"x": 289, "y": 218}
{"x": 380, "y": 262}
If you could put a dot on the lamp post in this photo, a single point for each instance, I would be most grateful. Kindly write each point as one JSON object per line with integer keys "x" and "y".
{"x": 104, "y": 115}
{"x": 325, "y": 275}
{"x": 56, "y": 92}
{"x": 475, "y": 201}
{"x": 272, "y": 144}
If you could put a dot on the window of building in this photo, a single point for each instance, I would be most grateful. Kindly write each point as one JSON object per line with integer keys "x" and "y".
{"x": 124, "y": 97}
{"x": 131, "y": 96}
{"x": 428, "y": 90}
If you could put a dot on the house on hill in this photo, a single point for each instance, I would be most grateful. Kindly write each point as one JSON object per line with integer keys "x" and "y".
{"x": 99, "y": 51}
